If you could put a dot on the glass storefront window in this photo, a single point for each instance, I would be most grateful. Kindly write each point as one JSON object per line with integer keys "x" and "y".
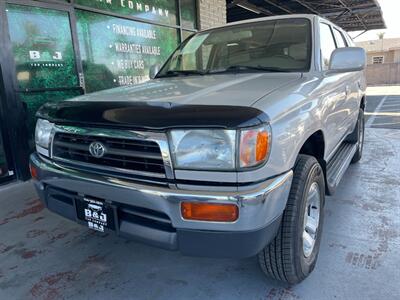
{"x": 162, "y": 11}
{"x": 118, "y": 41}
{"x": 186, "y": 34}
{"x": 42, "y": 47}
{"x": 188, "y": 14}
{"x": 117, "y": 52}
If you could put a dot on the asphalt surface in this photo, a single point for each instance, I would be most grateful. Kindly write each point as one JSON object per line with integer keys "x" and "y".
{"x": 43, "y": 256}
{"x": 383, "y": 112}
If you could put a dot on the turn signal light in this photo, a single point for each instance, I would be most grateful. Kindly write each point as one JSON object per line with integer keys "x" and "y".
{"x": 254, "y": 146}
{"x": 209, "y": 212}
{"x": 262, "y": 146}
{"x": 34, "y": 172}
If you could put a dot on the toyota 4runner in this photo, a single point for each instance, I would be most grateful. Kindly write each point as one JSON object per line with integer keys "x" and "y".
{"x": 228, "y": 151}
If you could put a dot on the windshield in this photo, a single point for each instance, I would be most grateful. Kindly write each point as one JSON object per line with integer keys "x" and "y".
{"x": 269, "y": 46}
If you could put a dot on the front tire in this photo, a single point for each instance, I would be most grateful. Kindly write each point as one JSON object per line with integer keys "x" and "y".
{"x": 292, "y": 255}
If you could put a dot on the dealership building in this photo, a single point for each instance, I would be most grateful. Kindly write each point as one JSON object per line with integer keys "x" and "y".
{"x": 52, "y": 50}
{"x": 55, "y": 50}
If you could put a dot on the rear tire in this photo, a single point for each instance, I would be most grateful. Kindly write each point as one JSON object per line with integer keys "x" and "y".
{"x": 288, "y": 258}
{"x": 359, "y": 137}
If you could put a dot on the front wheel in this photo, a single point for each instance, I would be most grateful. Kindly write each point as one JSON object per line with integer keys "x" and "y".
{"x": 292, "y": 255}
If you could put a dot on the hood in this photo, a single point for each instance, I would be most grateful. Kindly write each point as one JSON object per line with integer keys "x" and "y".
{"x": 223, "y": 100}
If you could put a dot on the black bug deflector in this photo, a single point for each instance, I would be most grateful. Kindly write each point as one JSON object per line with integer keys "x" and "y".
{"x": 151, "y": 115}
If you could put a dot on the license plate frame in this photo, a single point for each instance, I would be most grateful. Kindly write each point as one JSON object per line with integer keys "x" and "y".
{"x": 97, "y": 214}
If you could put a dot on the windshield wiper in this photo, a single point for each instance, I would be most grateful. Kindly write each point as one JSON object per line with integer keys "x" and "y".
{"x": 244, "y": 68}
{"x": 230, "y": 69}
{"x": 172, "y": 73}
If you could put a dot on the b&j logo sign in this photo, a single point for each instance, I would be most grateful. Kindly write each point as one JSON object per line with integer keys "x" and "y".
{"x": 46, "y": 59}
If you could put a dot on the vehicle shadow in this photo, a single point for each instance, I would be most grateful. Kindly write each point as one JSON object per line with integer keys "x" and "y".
{"x": 153, "y": 273}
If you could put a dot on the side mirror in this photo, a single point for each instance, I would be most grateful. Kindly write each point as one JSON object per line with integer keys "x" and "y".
{"x": 154, "y": 69}
{"x": 347, "y": 60}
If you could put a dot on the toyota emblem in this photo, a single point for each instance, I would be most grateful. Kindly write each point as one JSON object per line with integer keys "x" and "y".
{"x": 97, "y": 149}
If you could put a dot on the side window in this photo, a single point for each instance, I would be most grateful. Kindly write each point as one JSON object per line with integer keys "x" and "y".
{"x": 350, "y": 41}
{"x": 206, "y": 55}
{"x": 327, "y": 45}
{"x": 340, "y": 41}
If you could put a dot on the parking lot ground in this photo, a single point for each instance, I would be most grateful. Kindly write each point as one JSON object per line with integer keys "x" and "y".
{"x": 383, "y": 112}
{"x": 43, "y": 256}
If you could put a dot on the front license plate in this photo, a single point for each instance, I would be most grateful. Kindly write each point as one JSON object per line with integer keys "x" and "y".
{"x": 97, "y": 214}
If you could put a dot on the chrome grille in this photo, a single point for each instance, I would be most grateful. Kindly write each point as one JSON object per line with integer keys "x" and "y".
{"x": 123, "y": 155}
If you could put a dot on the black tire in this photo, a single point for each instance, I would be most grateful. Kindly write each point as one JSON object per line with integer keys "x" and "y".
{"x": 284, "y": 259}
{"x": 358, "y": 137}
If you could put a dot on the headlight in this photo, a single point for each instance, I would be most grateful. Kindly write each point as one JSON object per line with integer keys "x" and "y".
{"x": 204, "y": 149}
{"x": 216, "y": 149}
{"x": 43, "y": 133}
{"x": 255, "y": 145}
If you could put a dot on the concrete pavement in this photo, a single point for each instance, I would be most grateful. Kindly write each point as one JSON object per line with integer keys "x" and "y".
{"x": 43, "y": 256}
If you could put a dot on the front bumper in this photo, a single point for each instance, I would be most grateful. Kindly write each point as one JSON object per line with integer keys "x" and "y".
{"x": 260, "y": 209}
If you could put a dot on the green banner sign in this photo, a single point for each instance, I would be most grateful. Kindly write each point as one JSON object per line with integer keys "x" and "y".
{"x": 35, "y": 100}
{"x": 42, "y": 46}
{"x": 118, "y": 52}
{"x": 163, "y": 11}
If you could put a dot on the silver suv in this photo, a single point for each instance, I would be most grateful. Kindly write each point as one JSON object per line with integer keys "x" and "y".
{"x": 228, "y": 151}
